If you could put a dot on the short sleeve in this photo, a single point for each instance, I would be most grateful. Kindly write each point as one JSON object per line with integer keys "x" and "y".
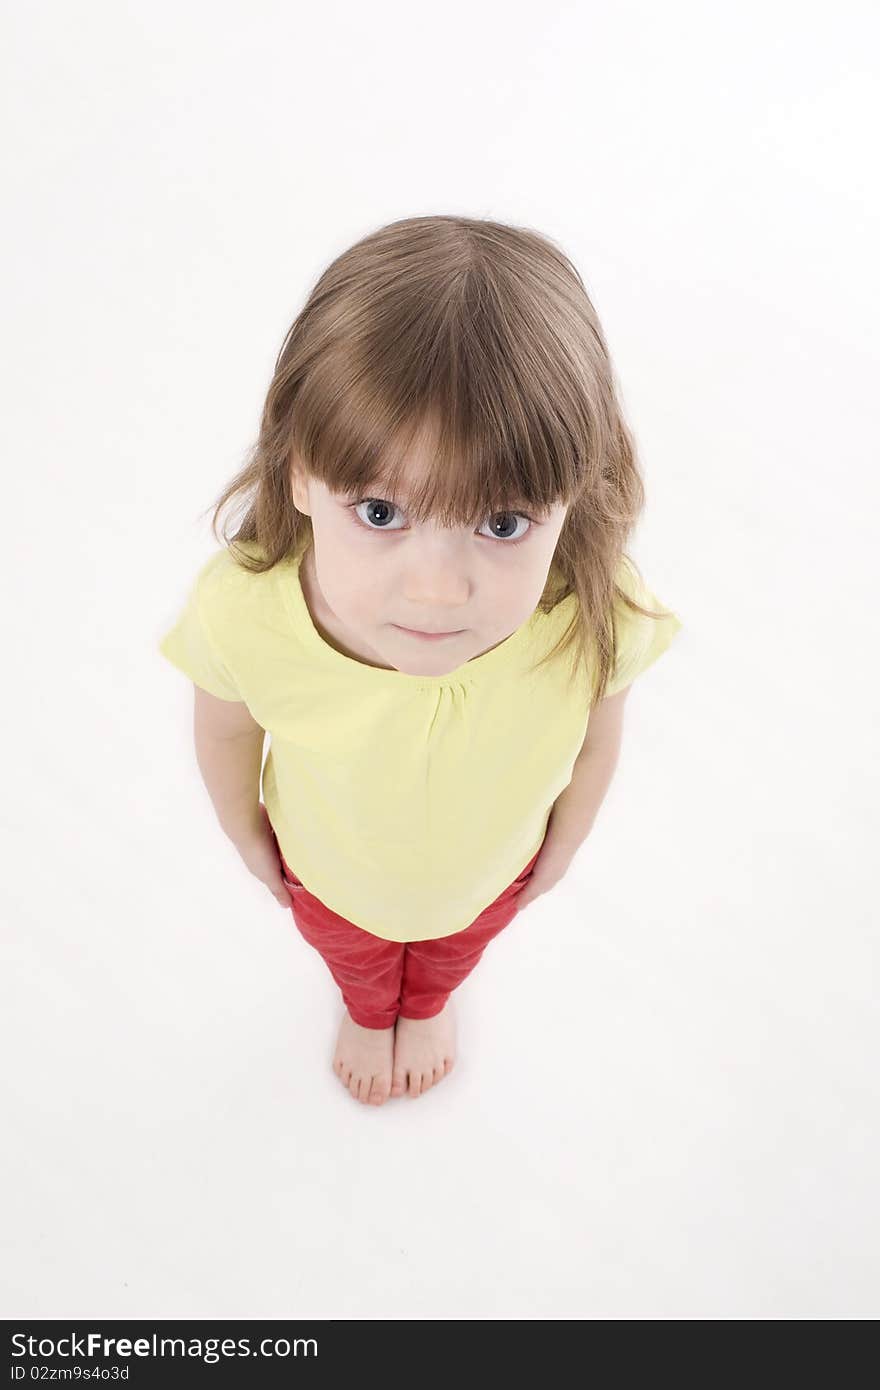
{"x": 640, "y": 640}
{"x": 190, "y": 646}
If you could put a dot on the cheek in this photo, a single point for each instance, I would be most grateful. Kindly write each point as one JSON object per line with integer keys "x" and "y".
{"x": 522, "y": 594}
{"x": 503, "y": 602}
{"x": 351, "y": 593}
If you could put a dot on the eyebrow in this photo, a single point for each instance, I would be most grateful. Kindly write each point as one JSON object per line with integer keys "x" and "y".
{"x": 380, "y": 488}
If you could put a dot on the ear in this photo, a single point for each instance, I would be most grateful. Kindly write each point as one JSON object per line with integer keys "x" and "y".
{"x": 299, "y": 486}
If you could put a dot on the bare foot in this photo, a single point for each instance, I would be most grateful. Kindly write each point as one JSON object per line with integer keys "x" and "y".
{"x": 363, "y": 1060}
{"x": 424, "y": 1051}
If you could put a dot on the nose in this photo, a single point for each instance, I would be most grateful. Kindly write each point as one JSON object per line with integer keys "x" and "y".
{"x": 436, "y": 591}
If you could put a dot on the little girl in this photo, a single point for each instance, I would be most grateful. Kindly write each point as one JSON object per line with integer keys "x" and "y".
{"x": 426, "y": 601}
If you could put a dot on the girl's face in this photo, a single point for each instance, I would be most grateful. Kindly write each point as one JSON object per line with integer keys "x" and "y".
{"x": 375, "y": 574}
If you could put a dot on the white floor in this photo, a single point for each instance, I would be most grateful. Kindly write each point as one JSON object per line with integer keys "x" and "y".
{"x": 664, "y": 1104}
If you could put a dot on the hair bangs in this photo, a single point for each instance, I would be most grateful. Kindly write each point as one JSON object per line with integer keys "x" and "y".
{"x": 460, "y": 476}
{"x": 445, "y": 415}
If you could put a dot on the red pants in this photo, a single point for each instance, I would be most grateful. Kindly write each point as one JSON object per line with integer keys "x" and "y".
{"x": 380, "y": 979}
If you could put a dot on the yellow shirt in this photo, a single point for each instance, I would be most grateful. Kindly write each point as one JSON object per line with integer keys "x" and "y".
{"x": 405, "y": 803}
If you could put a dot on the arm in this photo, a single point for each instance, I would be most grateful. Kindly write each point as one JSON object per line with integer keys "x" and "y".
{"x": 575, "y": 809}
{"x": 229, "y": 752}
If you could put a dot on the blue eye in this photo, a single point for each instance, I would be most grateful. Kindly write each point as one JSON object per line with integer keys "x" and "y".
{"x": 381, "y": 505}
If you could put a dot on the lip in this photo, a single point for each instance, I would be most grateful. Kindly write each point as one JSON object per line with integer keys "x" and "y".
{"x": 427, "y": 636}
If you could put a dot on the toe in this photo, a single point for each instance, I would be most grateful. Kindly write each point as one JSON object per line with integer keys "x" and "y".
{"x": 398, "y": 1084}
{"x": 415, "y": 1083}
{"x": 379, "y": 1090}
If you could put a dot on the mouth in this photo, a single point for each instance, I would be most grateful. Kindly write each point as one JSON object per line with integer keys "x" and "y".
{"x": 427, "y": 636}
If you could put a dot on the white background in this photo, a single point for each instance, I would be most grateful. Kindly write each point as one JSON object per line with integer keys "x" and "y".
{"x": 665, "y": 1100}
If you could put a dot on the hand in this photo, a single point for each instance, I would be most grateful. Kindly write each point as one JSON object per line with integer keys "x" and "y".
{"x": 550, "y": 866}
{"x": 259, "y": 851}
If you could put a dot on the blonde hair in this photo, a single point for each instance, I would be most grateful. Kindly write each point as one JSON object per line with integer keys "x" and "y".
{"x": 485, "y": 334}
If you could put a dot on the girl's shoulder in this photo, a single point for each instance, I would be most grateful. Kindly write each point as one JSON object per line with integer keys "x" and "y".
{"x": 233, "y": 597}
{"x": 225, "y": 568}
